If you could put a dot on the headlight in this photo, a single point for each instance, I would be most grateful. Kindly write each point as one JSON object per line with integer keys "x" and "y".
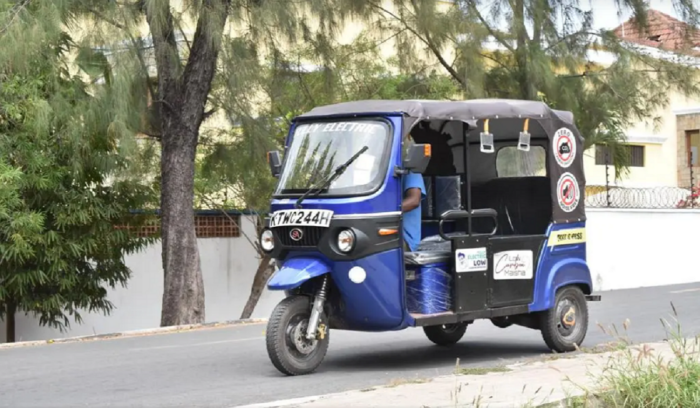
{"x": 267, "y": 240}
{"x": 346, "y": 240}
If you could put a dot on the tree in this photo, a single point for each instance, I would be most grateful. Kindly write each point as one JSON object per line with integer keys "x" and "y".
{"x": 186, "y": 65}
{"x": 65, "y": 197}
{"x": 540, "y": 50}
{"x": 233, "y": 172}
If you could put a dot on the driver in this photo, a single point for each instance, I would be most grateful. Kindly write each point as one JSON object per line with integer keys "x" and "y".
{"x": 413, "y": 194}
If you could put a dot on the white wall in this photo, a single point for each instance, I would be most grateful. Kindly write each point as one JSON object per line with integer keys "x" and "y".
{"x": 638, "y": 248}
{"x": 626, "y": 249}
{"x": 228, "y": 266}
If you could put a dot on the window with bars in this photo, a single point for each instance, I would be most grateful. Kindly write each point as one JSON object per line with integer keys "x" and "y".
{"x": 636, "y": 154}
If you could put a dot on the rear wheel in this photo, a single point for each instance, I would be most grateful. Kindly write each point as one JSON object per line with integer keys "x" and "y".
{"x": 287, "y": 346}
{"x": 502, "y": 322}
{"x": 564, "y": 326}
{"x": 446, "y": 334}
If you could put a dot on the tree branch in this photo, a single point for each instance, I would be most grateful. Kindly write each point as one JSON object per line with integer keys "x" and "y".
{"x": 103, "y": 17}
{"x": 201, "y": 64}
{"x": 568, "y": 37}
{"x": 491, "y": 31}
{"x": 208, "y": 114}
{"x": 160, "y": 21}
{"x": 506, "y": 67}
{"x": 184, "y": 37}
{"x": 16, "y": 10}
{"x": 427, "y": 42}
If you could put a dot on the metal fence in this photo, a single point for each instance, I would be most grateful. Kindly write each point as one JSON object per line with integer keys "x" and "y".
{"x": 612, "y": 196}
{"x": 654, "y": 197}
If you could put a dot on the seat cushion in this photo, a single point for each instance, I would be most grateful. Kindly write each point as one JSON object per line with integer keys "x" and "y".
{"x": 437, "y": 243}
{"x": 422, "y": 258}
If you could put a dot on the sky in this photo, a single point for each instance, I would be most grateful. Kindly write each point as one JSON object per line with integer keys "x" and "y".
{"x": 605, "y": 11}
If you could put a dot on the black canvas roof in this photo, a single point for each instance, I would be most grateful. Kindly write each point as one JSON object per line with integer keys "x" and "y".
{"x": 467, "y": 111}
{"x": 565, "y": 169}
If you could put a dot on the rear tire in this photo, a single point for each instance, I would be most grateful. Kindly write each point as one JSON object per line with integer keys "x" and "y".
{"x": 446, "y": 334}
{"x": 289, "y": 350}
{"x": 564, "y": 326}
{"x": 502, "y": 322}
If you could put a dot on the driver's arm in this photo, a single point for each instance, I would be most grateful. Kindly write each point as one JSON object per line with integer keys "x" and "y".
{"x": 411, "y": 199}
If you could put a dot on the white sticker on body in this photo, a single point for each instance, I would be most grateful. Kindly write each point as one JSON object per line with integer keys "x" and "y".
{"x": 564, "y": 147}
{"x": 508, "y": 265}
{"x": 568, "y": 192}
{"x": 471, "y": 260}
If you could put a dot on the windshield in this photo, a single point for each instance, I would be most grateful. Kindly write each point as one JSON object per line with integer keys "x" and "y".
{"x": 318, "y": 148}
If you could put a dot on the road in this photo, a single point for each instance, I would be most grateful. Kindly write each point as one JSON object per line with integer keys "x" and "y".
{"x": 227, "y": 367}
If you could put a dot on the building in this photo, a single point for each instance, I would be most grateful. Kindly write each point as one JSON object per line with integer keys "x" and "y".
{"x": 661, "y": 156}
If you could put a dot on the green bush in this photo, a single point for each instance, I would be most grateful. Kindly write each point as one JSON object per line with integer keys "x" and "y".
{"x": 638, "y": 378}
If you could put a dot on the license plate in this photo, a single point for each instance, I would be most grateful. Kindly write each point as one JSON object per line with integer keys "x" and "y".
{"x": 307, "y": 218}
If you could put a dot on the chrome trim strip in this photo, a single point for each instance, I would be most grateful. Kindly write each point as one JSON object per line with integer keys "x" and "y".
{"x": 370, "y": 215}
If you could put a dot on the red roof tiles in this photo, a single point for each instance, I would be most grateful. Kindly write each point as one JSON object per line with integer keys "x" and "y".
{"x": 664, "y": 32}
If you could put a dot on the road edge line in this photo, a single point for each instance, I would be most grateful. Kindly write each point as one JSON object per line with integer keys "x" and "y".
{"x": 134, "y": 333}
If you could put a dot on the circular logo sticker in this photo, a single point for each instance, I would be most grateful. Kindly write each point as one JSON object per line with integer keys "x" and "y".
{"x": 564, "y": 147}
{"x": 296, "y": 234}
{"x": 568, "y": 193}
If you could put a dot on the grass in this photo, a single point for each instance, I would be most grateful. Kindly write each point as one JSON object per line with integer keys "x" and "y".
{"x": 480, "y": 370}
{"x": 635, "y": 376}
{"x": 404, "y": 381}
{"x": 639, "y": 378}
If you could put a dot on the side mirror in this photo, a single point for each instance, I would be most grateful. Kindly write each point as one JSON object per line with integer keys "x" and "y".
{"x": 417, "y": 158}
{"x": 273, "y": 159}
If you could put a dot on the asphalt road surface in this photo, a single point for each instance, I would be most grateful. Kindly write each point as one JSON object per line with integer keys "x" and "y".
{"x": 227, "y": 367}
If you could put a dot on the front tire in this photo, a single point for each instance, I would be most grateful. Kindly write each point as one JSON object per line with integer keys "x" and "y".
{"x": 446, "y": 334}
{"x": 289, "y": 350}
{"x": 564, "y": 326}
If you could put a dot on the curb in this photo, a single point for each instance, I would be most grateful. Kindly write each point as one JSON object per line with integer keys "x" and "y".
{"x": 292, "y": 403}
{"x": 135, "y": 333}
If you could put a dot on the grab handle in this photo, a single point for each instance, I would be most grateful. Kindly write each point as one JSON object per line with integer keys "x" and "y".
{"x": 453, "y": 215}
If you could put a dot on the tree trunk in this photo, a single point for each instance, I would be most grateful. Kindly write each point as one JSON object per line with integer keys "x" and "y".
{"x": 261, "y": 276}
{"x": 182, "y": 95}
{"x": 183, "y": 292}
{"x": 10, "y": 311}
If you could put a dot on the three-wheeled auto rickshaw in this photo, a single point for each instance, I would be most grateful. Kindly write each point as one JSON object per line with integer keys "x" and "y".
{"x": 502, "y": 224}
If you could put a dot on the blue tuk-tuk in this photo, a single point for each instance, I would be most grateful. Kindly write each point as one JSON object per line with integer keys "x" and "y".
{"x": 502, "y": 224}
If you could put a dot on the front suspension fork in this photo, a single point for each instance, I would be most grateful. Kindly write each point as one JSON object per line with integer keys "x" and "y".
{"x": 317, "y": 308}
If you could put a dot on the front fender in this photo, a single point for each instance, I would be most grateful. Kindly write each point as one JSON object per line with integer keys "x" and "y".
{"x": 296, "y": 271}
{"x": 564, "y": 273}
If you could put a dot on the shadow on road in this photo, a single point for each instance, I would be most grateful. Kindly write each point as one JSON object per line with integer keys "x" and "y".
{"x": 421, "y": 357}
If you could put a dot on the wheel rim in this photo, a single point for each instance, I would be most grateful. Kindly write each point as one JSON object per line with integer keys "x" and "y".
{"x": 297, "y": 344}
{"x": 568, "y": 318}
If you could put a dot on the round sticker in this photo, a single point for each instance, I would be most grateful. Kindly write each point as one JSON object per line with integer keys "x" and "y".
{"x": 564, "y": 147}
{"x": 568, "y": 193}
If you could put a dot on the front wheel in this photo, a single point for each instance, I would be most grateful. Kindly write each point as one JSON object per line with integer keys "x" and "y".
{"x": 446, "y": 334}
{"x": 564, "y": 326}
{"x": 289, "y": 349}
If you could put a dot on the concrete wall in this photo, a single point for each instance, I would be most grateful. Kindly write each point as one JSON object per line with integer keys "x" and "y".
{"x": 638, "y": 248}
{"x": 626, "y": 249}
{"x": 228, "y": 266}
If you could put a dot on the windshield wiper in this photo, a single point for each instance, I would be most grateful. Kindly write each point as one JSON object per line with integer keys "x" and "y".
{"x": 337, "y": 172}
